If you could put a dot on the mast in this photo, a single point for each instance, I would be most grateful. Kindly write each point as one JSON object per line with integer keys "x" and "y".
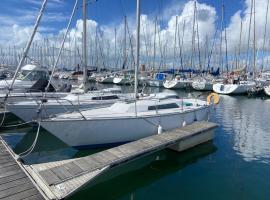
{"x": 193, "y": 36}
{"x": 198, "y": 38}
{"x": 221, "y": 39}
{"x": 250, "y": 21}
{"x": 174, "y": 49}
{"x": 137, "y": 53}
{"x": 226, "y": 43}
{"x": 154, "y": 59}
{"x": 84, "y": 44}
{"x": 254, "y": 41}
{"x": 125, "y": 42}
{"x": 115, "y": 35}
{"x": 240, "y": 43}
{"x": 264, "y": 36}
{"x": 182, "y": 44}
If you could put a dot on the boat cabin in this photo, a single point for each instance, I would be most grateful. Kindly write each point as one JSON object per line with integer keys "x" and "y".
{"x": 33, "y": 73}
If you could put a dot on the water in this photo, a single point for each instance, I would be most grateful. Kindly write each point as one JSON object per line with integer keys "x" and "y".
{"x": 235, "y": 165}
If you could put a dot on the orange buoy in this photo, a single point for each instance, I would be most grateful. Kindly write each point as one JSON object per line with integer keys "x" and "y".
{"x": 213, "y": 98}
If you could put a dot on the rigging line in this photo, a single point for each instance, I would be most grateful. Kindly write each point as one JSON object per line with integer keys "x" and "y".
{"x": 4, "y": 116}
{"x": 62, "y": 46}
{"x": 130, "y": 43}
{"x": 16, "y": 125}
{"x": 211, "y": 51}
{"x": 25, "y": 52}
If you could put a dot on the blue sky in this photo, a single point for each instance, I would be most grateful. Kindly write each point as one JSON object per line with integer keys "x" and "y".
{"x": 23, "y": 12}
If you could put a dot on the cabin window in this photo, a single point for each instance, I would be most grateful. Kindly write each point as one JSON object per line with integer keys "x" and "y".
{"x": 174, "y": 97}
{"x": 163, "y": 106}
{"x": 105, "y": 97}
{"x": 27, "y": 75}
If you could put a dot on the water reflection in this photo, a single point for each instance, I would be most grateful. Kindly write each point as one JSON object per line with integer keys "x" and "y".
{"x": 47, "y": 149}
{"x": 248, "y": 121}
{"x": 123, "y": 182}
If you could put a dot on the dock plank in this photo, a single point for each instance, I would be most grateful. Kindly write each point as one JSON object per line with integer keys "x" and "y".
{"x": 14, "y": 190}
{"x": 15, "y": 184}
{"x": 23, "y": 195}
{"x": 13, "y": 177}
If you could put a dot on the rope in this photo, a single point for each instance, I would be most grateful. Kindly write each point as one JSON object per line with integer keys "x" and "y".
{"x": 4, "y": 116}
{"x": 16, "y": 125}
{"x": 62, "y": 46}
{"x": 31, "y": 148}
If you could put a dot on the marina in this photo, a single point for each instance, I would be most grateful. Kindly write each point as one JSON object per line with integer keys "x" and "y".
{"x": 141, "y": 99}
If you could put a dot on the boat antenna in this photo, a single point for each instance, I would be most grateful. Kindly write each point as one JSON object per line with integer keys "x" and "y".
{"x": 137, "y": 53}
{"x": 26, "y": 49}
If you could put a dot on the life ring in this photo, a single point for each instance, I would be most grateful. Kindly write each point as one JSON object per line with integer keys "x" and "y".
{"x": 213, "y": 98}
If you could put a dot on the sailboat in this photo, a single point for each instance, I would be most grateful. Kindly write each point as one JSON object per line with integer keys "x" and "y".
{"x": 238, "y": 82}
{"x": 29, "y": 83}
{"x": 123, "y": 79}
{"x": 242, "y": 87}
{"x": 107, "y": 78}
{"x": 158, "y": 80}
{"x": 178, "y": 83}
{"x": 125, "y": 121}
{"x": 75, "y": 102}
{"x": 202, "y": 84}
{"x": 29, "y": 110}
{"x": 31, "y": 78}
{"x": 118, "y": 124}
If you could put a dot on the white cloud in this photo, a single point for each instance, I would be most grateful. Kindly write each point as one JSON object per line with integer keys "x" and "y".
{"x": 206, "y": 15}
{"x": 233, "y": 29}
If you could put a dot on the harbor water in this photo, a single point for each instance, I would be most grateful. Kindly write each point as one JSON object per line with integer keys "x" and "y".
{"x": 235, "y": 165}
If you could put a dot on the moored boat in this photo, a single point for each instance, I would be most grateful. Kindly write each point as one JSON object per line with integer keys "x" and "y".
{"x": 243, "y": 87}
{"x": 177, "y": 83}
{"x": 119, "y": 123}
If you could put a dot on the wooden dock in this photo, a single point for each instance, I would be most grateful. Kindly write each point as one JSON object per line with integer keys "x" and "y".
{"x": 15, "y": 184}
{"x": 58, "y": 180}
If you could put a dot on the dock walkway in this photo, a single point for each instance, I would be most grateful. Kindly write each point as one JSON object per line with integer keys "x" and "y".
{"x": 14, "y": 182}
{"x": 58, "y": 180}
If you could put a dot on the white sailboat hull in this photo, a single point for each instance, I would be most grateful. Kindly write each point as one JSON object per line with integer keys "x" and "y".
{"x": 15, "y": 97}
{"x": 30, "y": 112}
{"x": 202, "y": 86}
{"x": 177, "y": 84}
{"x": 106, "y": 80}
{"x": 267, "y": 90}
{"x": 233, "y": 88}
{"x": 121, "y": 81}
{"x": 111, "y": 131}
{"x": 155, "y": 83}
